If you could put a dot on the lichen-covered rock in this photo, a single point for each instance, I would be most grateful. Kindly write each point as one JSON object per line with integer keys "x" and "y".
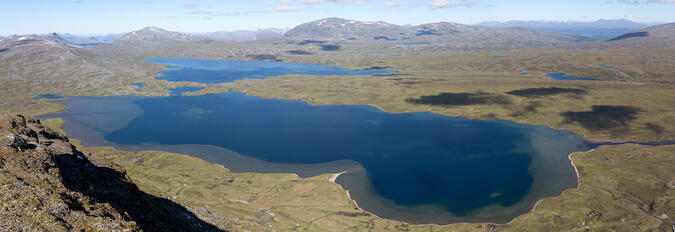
{"x": 47, "y": 184}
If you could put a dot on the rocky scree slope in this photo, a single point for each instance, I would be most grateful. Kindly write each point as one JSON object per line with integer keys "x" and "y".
{"x": 47, "y": 184}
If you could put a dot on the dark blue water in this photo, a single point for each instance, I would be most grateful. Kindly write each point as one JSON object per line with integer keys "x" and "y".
{"x": 562, "y": 76}
{"x": 139, "y": 85}
{"x": 607, "y": 66}
{"x": 449, "y": 164}
{"x": 88, "y": 44}
{"x": 524, "y": 73}
{"x": 184, "y": 89}
{"x": 48, "y": 96}
{"x": 416, "y": 167}
{"x": 221, "y": 71}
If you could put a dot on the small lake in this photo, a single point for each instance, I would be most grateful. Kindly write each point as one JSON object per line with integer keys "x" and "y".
{"x": 221, "y": 71}
{"x": 415, "y": 167}
{"x": 88, "y": 44}
{"x": 562, "y": 76}
{"x": 48, "y": 96}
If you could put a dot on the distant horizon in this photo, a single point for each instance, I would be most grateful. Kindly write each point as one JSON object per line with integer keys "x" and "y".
{"x": 193, "y": 16}
{"x": 291, "y": 27}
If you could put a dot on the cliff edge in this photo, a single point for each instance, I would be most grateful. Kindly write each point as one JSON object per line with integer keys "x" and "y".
{"x": 47, "y": 184}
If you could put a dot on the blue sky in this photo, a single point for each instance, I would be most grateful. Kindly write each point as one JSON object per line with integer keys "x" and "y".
{"x": 98, "y": 16}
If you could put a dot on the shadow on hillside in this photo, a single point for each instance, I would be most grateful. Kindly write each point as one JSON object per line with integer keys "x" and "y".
{"x": 603, "y": 117}
{"x": 631, "y": 35}
{"x": 298, "y": 52}
{"x": 461, "y": 99}
{"x": 262, "y": 57}
{"x": 541, "y": 92}
{"x": 330, "y": 47}
{"x": 309, "y": 41}
{"x": 106, "y": 185}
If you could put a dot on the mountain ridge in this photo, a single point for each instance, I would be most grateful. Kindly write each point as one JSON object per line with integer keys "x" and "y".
{"x": 245, "y": 35}
{"x": 602, "y": 29}
{"x": 339, "y": 29}
{"x": 654, "y": 35}
{"x": 601, "y": 23}
{"x": 155, "y": 34}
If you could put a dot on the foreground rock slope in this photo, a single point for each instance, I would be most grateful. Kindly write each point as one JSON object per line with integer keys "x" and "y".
{"x": 47, "y": 184}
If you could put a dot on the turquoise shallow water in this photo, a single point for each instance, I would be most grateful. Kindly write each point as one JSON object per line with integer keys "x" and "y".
{"x": 416, "y": 167}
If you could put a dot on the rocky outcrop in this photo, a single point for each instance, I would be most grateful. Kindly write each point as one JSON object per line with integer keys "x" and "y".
{"x": 47, "y": 184}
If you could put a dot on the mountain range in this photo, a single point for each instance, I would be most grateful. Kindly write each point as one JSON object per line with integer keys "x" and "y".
{"x": 245, "y": 35}
{"x": 442, "y": 32}
{"x": 599, "y": 30}
{"x": 351, "y": 31}
{"x": 239, "y": 35}
{"x": 77, "y": 39}
{"x": 344, "y": 29}
{"x": 156, "y": 35}
{"x": 63, "y": 64}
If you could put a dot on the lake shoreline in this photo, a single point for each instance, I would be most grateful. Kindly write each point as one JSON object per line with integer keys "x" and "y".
{"x": 333, "y": 177}
{"x": 406, "y": 214}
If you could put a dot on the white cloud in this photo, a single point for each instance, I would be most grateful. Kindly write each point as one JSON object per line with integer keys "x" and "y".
{"x": 395, "y": 4}
{"x": 355, "y": 2}
{"x": 629, "y": 2}
{"x": 281, "y": 2}
{"x": 283, "y": 8}
{"x": 189, "y": 5}
{"x": 443, "y": 4}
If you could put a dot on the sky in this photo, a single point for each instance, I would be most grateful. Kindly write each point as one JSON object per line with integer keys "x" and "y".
{"x": 120, "y": 16}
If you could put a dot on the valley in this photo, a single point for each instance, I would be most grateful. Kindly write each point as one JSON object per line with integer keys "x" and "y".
{"x": 623, "y": 91}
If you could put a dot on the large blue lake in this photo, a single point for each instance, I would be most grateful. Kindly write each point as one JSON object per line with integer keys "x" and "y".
{"x": 416, "y": 167}
{"x": 220, "y": 71}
